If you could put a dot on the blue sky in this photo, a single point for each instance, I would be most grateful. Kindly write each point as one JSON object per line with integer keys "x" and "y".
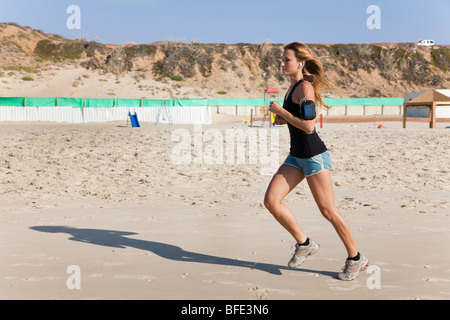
{"x": 235, "y": 21}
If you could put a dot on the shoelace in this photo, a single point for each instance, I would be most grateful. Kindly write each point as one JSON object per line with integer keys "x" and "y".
{"x": 348, "y": 264}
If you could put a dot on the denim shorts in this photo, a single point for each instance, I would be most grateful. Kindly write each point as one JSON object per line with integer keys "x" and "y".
{"x": 310, "y": 166}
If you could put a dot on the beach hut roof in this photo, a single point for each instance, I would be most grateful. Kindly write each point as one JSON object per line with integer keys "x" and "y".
{"x": 430, "y": 97}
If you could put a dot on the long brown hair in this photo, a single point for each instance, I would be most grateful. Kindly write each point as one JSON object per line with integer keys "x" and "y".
{"x": 312, "y": 66}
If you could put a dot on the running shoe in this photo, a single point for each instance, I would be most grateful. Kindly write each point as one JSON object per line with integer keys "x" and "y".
{"x": 302, "y": 252}
{"x": 352, "y": 268}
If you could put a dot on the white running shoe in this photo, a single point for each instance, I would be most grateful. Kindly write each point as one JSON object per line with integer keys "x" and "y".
{"x": 302, "y": 252}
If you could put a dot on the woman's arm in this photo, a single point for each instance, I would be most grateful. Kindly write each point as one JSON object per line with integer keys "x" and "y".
{"x": 305, "y": 125}
{"x": 299, "y": 93}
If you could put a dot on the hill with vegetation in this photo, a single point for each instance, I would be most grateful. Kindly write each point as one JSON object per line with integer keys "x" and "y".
{"x": 188, "y": 70}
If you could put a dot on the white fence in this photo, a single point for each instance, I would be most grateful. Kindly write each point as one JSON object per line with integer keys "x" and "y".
{"x": 333, "y": 111}
{"x": 179, "y": 115}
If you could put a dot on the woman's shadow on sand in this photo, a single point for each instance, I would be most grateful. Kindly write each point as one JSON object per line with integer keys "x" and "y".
{"x": 119, "y": 239}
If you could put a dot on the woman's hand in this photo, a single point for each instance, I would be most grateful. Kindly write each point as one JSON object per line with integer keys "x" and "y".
{"x": 278, "y": 121}
{"x": 276, "y": 108}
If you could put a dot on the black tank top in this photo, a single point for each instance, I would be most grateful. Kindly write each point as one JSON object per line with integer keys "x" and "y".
{"x": 303, "y": 145}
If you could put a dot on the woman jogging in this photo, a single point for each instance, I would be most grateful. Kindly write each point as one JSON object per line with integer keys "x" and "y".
{"x": 308, "y": 158}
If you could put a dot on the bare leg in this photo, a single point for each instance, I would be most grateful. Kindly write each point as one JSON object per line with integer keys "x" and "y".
{"x": 323, "y": 193}
{"x": 286, "y": 179}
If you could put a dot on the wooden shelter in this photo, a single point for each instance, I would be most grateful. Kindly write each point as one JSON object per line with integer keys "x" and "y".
{"x": 430, "y": 98}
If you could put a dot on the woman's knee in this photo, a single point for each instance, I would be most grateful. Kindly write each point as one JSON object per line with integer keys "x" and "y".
{"x": 331, "y": 214}
{"x": 268, "y": 202}
{"x": 271, "y": 203}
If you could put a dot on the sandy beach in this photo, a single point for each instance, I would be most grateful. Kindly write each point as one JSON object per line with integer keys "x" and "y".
{"x": 109, "y": 201}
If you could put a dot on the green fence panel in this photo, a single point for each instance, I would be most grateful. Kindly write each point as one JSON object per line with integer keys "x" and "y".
{"x": 220, "y": 102}
{"x": 157, "y": 102}
{"x": 329, "y": 101}
{"x": 130, "y": 103}
{"x": 364, "y": 101}
{"x": 71, "y": 102}
{"x": 108, "y": 103}
{"x": 41, "y": 102}
{"x": 192, "y": 103}
{"x": 100, "y": 103}
{"x": 12, "y": 102}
